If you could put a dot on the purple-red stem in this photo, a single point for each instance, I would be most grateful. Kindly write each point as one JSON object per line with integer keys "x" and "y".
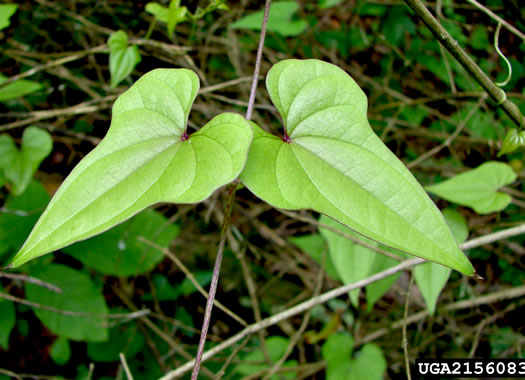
{"x": 229, "y": 206}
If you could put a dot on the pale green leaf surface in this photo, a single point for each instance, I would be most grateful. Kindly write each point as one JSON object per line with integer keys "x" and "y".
{"x": 431, "y": 278}
{"x": 477, "y": 188}
{"x": 7, "y": 323}
{"x": 336, "y": 165}
{"x": 6, "y": 11}
{"x": 176, "y": 14}
{"x": 279, "y": 20}
{"x": 457, "y": 224}
{"x": 79, "y": 294}
{"x": 120, "y": 252}
{"x": 17, "y": 88}
{"x": 352, "y": 261}
{"x": 122, "y": 58}
{"x": 143, "y": 160}
{"x": 160, "y": 12}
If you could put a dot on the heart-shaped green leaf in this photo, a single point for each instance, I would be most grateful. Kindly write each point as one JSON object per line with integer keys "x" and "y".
{"x": 477, "y": 188}
{"x": 331, "y": 161}
{"x": 122, "y": 58}
{"x": 145, "y": 158}
{"x": 78, "y": 294}
{"x": 19, "y": 166}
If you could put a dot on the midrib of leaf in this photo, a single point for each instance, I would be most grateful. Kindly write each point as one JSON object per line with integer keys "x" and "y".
{"x": 101, "y": 196}
{"x": 387, "y": 241}
{"x": 400, "y": 174}
{"x": 185, "y": 109}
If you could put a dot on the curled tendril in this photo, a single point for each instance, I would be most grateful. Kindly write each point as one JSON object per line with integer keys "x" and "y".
{"x": 496, "y": 46}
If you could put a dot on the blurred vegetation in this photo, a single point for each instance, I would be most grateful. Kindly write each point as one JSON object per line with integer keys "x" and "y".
{"x": 62, "y": 65}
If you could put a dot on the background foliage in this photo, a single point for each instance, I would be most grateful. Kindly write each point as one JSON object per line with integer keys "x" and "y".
{"x": 80, "y": 55}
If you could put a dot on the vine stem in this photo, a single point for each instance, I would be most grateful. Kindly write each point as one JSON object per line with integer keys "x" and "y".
{"x": 229, "y": 205}
{"x": 441, "y": 34}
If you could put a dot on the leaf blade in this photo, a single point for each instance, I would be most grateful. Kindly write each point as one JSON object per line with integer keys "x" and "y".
{"x": 143, "y": 160}
{"x": 477, "y": 188}
{"x": 306, "y": 173}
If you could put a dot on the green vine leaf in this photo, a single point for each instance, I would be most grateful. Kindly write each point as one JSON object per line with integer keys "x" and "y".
{"x": 145, "y": 158}
{"x": 17, "y": 89}
{"x": 78, "y": 294}
{"x": 6, "y": 11}
{"x": 512, "y": 141}
{"x": 478, "y": 187}
{"x": 331, "y": 161}
{"x": 280, "y": 20}
{"x": 122, "y": 58}
{"x": 19, "y": 166}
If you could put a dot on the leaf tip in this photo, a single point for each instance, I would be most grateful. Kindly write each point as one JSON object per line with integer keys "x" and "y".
{"x": 477, "y": 276}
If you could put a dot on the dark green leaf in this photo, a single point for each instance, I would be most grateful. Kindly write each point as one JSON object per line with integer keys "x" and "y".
{"x": 60, "y": 351}
{"x": 79, "y": 294}
{"x": 280, "y": 20}
{"x": 120, "y": 252}
{"x": 7, "y": 322}
{"x": 124, "y": 338}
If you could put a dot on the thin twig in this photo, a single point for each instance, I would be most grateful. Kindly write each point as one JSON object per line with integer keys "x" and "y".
{"x": 405, "y": 338}
{"x": 129, "y": 376}
{"x": 58, "y": 62}
{"x": 191, "y": 277}
{"x": 232, "y": 356}
{"x": 31, "y": 280}
{"x": 304, "y": 323}
{"x": 90, "y": 371}
{"x": 214, "y": 281}
{"x": 451, "y": 138}
{"x": 337, "y": 231}
{"x": 498, "y": 19}
{"x": 71, "y": 313}
{"x": 498, "y": 296}
{"x": 258, "y": 59}
{"x": 228, "y": 210}
{"x": 325, "y": 297}
{"x": 153, "y": 327}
